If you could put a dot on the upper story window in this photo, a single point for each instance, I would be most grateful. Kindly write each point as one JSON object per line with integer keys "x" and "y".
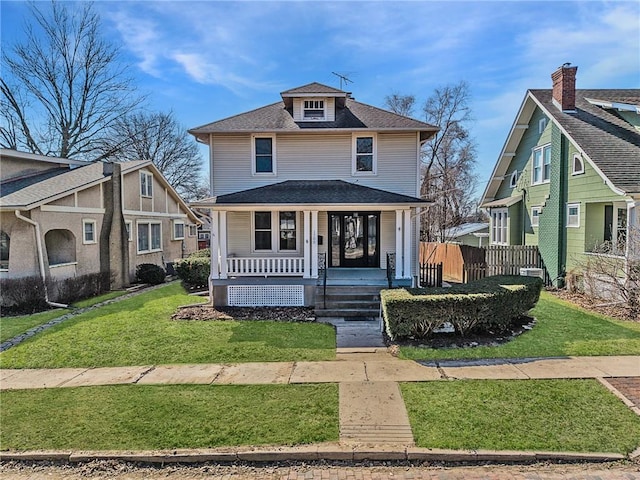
{"x": 541, "y": 171}
{"x": 89, "y": 231}
{"x": 577, "y": 165}
{"x": 4, "y": 250}
{"x": 364, "y": 155}
{"x": 513, "y": 181}
{"x": 542, "y": 124}
{"x": 264, "y": 158}
{"x": 313, "y": 110}
{"x": 178, "y": 230}
{"x": 146, "y": 184}
{"x": 193, "y": 230}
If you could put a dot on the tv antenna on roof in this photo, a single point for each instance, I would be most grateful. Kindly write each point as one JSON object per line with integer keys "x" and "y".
{"x": 343, "y": 79}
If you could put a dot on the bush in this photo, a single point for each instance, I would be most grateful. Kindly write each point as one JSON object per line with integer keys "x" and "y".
{"x": 488, "y": 305}
{"x": 205, "y": 252}
{"x": 150, "y": 273}
{"x": 73, "y": 289}
{"x": 194, "y": 271}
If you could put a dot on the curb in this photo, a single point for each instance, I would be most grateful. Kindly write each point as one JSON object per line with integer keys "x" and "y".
{"x": 309, "y": 453}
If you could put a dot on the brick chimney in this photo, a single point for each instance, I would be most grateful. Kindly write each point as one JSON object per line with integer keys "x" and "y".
{"x": 564, "y": 87}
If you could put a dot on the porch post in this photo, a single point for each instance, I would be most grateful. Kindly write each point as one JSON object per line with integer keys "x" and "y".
{"x": 214, "y": 245}
{"x": 407, "y": 243}
{"x": 399, "y": 244}
{"x": 223, "y": 245}
{"x": 314, "y": 244}
{"x": 307, "y": 244}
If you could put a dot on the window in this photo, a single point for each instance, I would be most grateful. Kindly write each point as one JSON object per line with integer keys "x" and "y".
{"x": 178, "y": 230}
{"x": 499, "y": 226}
{"x": 262, "y": 230}
{"x": 577, "y": 165}
{"x": 313, "y": 110}
{"x": 193, "y": 230}
{"x": 535, "y": 216}
{"x": 149, "y": 237}
{"x": 513, "y": 181}
{"x": 542, "y": 124}
{"x": 89, "y": 231}
{"x": 288, "y": 231}
{"x": 541, "y": 172}
{"x": 364, "y": 155}
{"x": 127, "y": 226}
{"x": 263, "y": 155}
{"x": 573, "y": 215}
{"x": 203, "y": 236}
{"x": 4, "y": 250}
{"x": 146, "y": 184}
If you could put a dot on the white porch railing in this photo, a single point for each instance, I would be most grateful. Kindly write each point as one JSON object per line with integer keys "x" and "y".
{"x": 263, "y": 266}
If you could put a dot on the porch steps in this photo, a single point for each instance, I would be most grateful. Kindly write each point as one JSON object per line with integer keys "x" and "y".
{"x": 348, "y": 301}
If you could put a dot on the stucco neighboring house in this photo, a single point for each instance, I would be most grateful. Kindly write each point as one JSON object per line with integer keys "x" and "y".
{"x": 314, "y": 180}
{"x": 568, "y": 176}
{"x": 61, "y": 218}
{"x": 475, "y": 234}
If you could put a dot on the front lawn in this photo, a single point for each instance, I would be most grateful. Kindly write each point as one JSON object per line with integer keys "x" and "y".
{"x": 136, "y": 417}
{"x": 13, "y": 326}
{"x": 139, "y": 331}
{"x": 561, "y": 329}
{"x": 552, "y": 415}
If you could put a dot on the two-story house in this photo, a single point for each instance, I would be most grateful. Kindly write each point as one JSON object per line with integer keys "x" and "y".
{"x": 62, "y": 218}
{"x": 314, "y": 184}
{"x": 568, "y": 176}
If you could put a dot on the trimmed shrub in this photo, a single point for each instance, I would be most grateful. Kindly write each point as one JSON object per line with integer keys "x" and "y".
{"x": 194, "y": 271}
{"x": 73, "y": 289}
{"x": 205, "y": 252}
{"x": 150, "y": 273}
{"x": 22, "y": 296}
{"x": 488, "y": 305}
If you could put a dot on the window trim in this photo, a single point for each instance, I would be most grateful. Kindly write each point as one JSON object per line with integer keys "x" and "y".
{"x": 148, "y": 223}
{"x": 542, "y": 149}
{"x": 537, "y": 217}
{"x": 577, "y": 216}
{"x": 254, "y": 163}
{"x": 513, "y": 181}
{"x": 174, "y": 224}
{"x": 148, "y": 191}
{"x": 275, "y": 232}
{"x": 86, "y": 221}
{"x": 578, "y": 157}
{"x": 503, "y": 214}
{"x": 303, "y": 108}
{"x": 354, "y": 154}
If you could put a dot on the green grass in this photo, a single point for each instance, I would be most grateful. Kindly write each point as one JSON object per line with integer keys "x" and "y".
{"x": 12, "y": 326}
{"x": 139, "y": 331}
{"x": 554, "y": 415}
{"x": 164, "y": 417}
{"x": 89, "y": 302}
{"x": 561, "y": 329}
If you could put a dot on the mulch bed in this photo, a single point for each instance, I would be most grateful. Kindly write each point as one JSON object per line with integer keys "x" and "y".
{"x": 597, "y": 305}
{"x": 279, "y": 314}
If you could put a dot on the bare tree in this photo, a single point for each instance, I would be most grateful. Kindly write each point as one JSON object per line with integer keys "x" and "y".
{"x": 63, "y": 87}
{"x": 448, "y": 158}
{"x": 400, "y": 104}
{"x": 160, "y": 138}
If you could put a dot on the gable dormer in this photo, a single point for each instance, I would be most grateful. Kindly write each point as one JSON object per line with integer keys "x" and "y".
{"x": 314, "y": 102}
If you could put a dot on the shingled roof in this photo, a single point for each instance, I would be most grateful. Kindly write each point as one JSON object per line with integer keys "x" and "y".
{"x": 609, "y": 141}
{"x": 312, "y": 192}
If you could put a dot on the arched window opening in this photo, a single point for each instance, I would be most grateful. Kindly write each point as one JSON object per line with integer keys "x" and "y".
{"x": 4, "y": 250}
{"x": 61, "y": 246}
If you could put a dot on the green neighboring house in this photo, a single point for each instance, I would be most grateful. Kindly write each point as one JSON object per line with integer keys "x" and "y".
{"x": 568, "y": 176}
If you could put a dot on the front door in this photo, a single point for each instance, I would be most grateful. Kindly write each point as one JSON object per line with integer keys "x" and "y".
{"x": 354, "y": 239}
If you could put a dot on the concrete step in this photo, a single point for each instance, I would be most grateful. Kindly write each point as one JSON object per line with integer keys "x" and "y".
{"x": 332, "y": 304}
{"x": 376, "y": 434}
{"x": 347, "y": 312}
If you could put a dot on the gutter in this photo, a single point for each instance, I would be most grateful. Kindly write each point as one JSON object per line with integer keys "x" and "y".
{"x": 40, "y": 260}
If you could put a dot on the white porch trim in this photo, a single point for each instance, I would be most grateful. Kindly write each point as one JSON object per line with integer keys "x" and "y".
{"x": 314, "y": 244}
{"x": 214, "y": 239}
{"x": 307, "y": 243}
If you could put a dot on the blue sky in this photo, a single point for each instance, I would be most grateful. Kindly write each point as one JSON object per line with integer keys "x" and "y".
{"x": 209, "y": 60}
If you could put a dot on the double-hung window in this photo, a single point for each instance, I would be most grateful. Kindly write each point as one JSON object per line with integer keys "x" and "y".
{"x": 541, "y": 171}
{"x": 146, "y": 184}
{"x": 264, "y": 159}
{"x": 313, "y": 110}
{"x": 364, "y": 155}
{"x": 89, "y": 231}
{"x": 573, "y": 215}
{"x": 178, "y": 230}
{"x": 288, "y": 231}
{"x": 535, "y": 216}
{"x": 273, "y": 230}
{"x": 262, "y": 231}
{"x": 149, "y": 237}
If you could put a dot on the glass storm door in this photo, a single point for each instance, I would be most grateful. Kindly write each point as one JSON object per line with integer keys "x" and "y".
{"x": 354, "y": 239}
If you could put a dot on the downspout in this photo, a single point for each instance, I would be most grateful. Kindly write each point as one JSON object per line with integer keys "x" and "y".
{"x": 40, "y": 260}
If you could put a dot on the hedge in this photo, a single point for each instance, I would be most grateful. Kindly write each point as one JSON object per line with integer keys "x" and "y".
{"x": 488, "y": 305}
{"x": 194, "y": 271}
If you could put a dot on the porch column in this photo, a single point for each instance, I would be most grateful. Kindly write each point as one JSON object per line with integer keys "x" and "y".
{"x": 633, "y": 230}
{"x": 314, "y": 244}
{"x": 307, "y": 243}
{"x": 224, "y": 270}
{"x": 214, "y": 244}
{"x": 407, "y": 244}
{"x": 399, "y": 244}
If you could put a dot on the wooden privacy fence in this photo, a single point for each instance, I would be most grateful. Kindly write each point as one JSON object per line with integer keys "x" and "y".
{"x": 509, "y": 259}
{"x": 452, "y": 256}
{"x": 431, "y": 274}
{"x": 473, "y": 271}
